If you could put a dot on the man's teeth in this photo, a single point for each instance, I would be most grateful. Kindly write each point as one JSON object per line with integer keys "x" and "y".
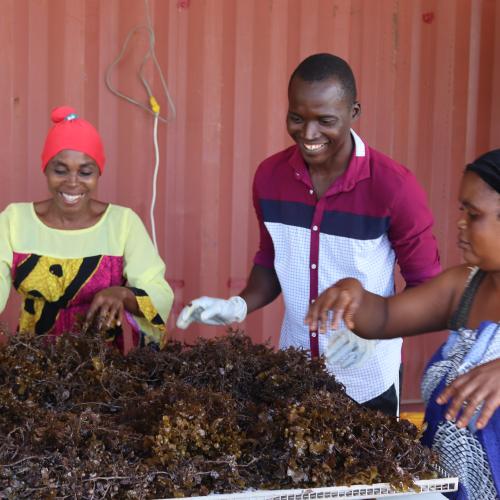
{"x": 71, "y": 198}
{"x": 313, "y": 147}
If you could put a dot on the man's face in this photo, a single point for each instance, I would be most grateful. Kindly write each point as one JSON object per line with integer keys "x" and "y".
{"x": 319, "y": 120}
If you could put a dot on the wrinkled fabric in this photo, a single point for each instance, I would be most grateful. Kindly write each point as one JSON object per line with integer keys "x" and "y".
{"x": 472, "y": 454}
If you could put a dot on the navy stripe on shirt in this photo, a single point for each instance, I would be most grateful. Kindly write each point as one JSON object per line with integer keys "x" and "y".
{"x": 345, "y": 224}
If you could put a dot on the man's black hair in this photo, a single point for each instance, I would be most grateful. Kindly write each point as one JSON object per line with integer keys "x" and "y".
{"x": 324, "y": 66}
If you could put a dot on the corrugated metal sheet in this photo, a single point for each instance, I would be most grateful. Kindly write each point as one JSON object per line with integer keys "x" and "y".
{"x": 426, "y": 71}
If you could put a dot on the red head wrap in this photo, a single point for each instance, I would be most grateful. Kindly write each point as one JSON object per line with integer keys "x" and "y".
{"x": 71, "y": 132}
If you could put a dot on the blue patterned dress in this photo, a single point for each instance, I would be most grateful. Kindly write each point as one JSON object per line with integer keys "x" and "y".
{"x": 472, "y": 454}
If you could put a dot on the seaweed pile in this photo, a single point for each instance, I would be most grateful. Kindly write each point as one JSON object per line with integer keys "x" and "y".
{"x": 79, "y": 420}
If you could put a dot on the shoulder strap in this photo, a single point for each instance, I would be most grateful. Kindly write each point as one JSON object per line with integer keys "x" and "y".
{"x": 459, "y": 317}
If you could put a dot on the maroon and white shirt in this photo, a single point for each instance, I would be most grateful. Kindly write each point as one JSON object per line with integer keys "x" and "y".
{"x": 372, "y": 216}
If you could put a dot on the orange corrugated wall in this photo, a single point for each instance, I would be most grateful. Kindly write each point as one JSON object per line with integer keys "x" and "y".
{"x": 428, "y": 73}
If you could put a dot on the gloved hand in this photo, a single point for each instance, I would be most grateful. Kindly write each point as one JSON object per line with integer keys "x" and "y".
{"x": 211, "y": 311}
{"x": 347, "y": 350}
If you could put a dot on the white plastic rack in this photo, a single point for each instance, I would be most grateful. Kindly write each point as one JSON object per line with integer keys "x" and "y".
{"x": 443, "y": 484}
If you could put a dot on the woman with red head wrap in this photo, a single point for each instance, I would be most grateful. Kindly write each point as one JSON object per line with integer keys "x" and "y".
{"x": 73, "y": 257}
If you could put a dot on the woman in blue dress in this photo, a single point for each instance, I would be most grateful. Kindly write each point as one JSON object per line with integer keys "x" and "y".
{"x": 461, "y": 383}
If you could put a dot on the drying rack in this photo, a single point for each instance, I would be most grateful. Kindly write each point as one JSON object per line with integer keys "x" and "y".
{"x": 443, "y": 484}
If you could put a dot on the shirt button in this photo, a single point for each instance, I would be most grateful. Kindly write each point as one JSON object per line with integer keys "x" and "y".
{"x": 313, "y": 335}
{"x": 315, "y": 228}
{"x": 297, "y": 174}
{"x": 311, "y": 191}
{"x": 313, "y": 266}
{"x": 313, "y": 301}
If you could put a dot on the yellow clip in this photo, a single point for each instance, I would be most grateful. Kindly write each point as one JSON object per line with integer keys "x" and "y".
{"x": 155, "y": 107}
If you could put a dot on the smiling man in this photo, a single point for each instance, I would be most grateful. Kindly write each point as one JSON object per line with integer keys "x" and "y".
{"x": 329, "y": 207}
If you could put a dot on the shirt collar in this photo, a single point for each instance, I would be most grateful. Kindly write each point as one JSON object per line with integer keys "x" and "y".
{"x": 357, "y": 170}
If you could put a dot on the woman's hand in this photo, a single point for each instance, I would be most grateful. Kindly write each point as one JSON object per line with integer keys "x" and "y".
{"x": 470, "y": 390}
{"x": 343, "y": 299}
{"x": 108, "y": 306}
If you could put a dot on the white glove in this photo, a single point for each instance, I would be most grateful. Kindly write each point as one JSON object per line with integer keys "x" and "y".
{"x": 211, "y": 311}
{"x": 347, "y": 350}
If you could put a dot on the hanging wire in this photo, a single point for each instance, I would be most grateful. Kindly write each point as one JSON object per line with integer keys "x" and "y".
{"x": 155, "y": 179}
{"x": 153, "y": 108}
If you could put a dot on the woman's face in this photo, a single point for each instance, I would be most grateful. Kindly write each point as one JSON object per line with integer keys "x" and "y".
{"x": 479, "y": 225}
{"x": 72, "y": 178}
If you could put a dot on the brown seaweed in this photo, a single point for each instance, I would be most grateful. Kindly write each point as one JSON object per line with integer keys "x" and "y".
{"x": 79, "y": 420}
